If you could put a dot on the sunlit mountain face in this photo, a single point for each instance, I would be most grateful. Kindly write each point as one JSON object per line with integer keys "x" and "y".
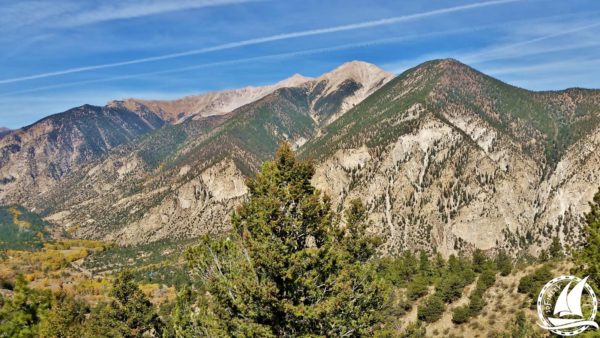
{"x": 244, "y": 168}
{"x": 439, "y": 154}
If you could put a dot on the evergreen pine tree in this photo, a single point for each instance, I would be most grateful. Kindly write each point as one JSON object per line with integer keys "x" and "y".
{"x": 555, "y": 250}
{"x": 424, "y": 264}
{"x": 66, "y": 318}
{"x": 431, "y": 309}
{"x": 589, "y": 257}
{"x": 129, "y": 314}
{"x": 20, "y": 316}
{"x": 289, "y": 268}
{"x": 357, "y": 243}
{"x": 503, "y": 263}
{"x": 479, "y": 260}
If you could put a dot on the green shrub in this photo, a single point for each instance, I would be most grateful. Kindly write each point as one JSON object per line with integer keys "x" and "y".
{"x": 399, "y": 270}
{"x": 479, "y": 260}
{"x": 461, "y": 314}
{"x": 486, "y": 279}
{"x": 476, "y": 302}
{"x": 503, "y": 263}
{"x": 532, "y": 283}
{"x": 520, "y": 327}
{"x": 414, "y": 330}
{"x": 525, "y": 284}
{"x": 417, "y": 288}
{"x": 451, "y": 288}
{"x": 432, "y": 309}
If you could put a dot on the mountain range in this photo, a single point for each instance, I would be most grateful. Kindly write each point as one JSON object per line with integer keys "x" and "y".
{"x": 4, "y": 131}
{"x": 444, "y": 157}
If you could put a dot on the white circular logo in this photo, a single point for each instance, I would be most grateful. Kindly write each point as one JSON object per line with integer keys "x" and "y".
{"x": 567, "y": 306}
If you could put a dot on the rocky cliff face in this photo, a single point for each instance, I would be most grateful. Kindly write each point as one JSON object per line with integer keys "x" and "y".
{"x": 34, "y": 158}
{"x": 336, "y": 92}
{"x": 332, "y": 94}
{"x": 184, "y": 179}
{"x": 445, "y": 158}
{"x": 212, "y": 103}
{"x": 4, "y": 131}
{"x": 448, "y": 158}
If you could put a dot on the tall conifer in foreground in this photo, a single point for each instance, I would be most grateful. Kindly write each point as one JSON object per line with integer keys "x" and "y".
{"x": 589, "y": 257}
{"x": 288, "y": 269}
{"x": 129, "y": 314}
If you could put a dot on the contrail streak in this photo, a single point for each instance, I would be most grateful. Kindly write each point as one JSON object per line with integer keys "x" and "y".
{"x": 254, "y": 58}
{"x": 272, "y": 38}
{"x": 479, "y": 57}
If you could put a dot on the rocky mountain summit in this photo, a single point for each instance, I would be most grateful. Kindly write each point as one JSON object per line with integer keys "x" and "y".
{"x": 349, "y": 84}
{"x": 212, "y": 103}
{"x": 447, "y": 157}
{"x": 34, "y": 158}
{"x": 4, "y": 131}
{"x": 444, "y": 157}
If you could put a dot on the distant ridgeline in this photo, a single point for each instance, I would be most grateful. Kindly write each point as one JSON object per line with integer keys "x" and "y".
{"x": 21, "y": 229}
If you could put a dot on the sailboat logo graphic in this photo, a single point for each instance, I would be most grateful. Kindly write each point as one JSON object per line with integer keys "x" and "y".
{"x": 572, "y": 312}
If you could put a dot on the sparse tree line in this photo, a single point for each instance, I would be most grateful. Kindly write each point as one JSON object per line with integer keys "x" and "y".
{"x": 291, "y": 267}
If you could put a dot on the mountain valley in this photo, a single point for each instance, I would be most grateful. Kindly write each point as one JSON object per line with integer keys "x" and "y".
{"x": 442, "y": 155}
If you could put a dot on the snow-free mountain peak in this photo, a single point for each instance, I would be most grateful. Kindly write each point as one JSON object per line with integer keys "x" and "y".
{"x": 293, "y": 81}
{"x": 444, "y": 157}
{"x": 364, "y": 73}
{"x": 356, "y": 80}
{"x": 363, "y": 77}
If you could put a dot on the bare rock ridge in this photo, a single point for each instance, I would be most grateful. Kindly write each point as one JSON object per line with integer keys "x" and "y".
{"x": 365, "y": 76}
{"x": 204, "y": 159}
{"x": 444, "y": 156}
{"x": 212, "y": 103}
{"x": 4, "y": 131}
{"x": 450, "y": 158}
{"x": 360, "y": 77}
{"x": 35, "y": 158}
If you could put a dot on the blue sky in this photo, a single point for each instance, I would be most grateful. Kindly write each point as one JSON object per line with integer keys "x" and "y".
{"x": 59, "y": 54}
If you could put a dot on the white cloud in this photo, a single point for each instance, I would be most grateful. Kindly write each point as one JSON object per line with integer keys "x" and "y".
{"x": 20, "y": 14}
{"x": 518, "y": 45}
{"x": 517, "y": 48}
{"x": 539, "y": 69}
{"x": 76, "y": 13}
{"x": 364, "y": 44}
{"x": 537, "y": 56}
{"x": 135, "y": 9}
{"x": 272, "y": 38}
